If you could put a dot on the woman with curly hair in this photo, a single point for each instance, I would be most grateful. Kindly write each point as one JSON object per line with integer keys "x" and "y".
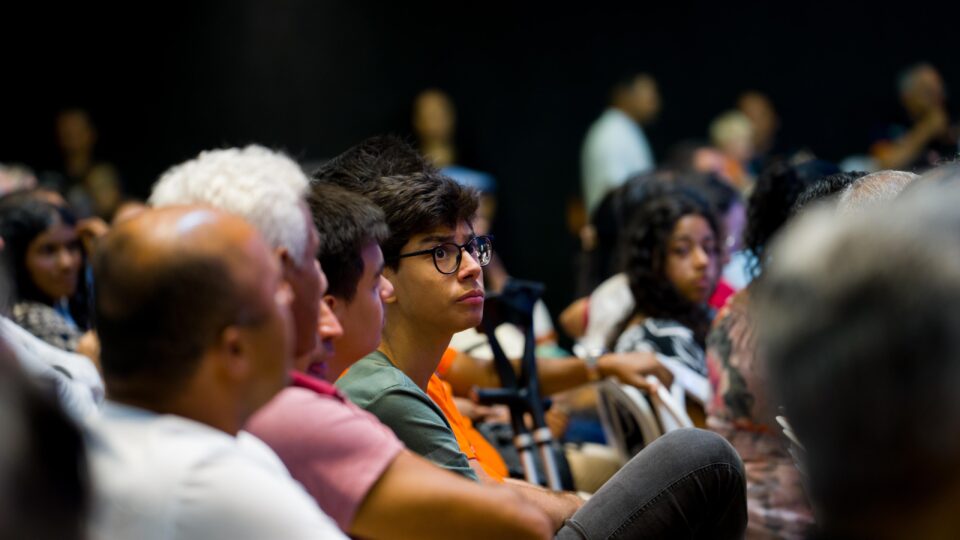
{"x": 739, "y": 409}
{"x": 671, "y": 256}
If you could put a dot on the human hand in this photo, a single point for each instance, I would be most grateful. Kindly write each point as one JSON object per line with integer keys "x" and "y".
{"x": 632, "y": 368}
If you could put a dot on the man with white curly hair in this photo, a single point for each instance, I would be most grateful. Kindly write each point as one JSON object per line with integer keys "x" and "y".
{"x": 266, "y": 188}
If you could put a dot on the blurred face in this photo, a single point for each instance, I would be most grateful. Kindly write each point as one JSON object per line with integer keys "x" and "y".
{"x": 74, "y": 132}
{"x": 925, "y": 92}
{"x": 269, "y": 344}
{"x": 427, "y": 300}
{"x": 316, "y": 328}
{"x": 433, "y": 116}
{"x": 758, "y": 109}
{"x": 361, "y": 317}
{"x": 644, "y": 99}
{"x": 53, "y": 261}
{"x": 692, "y": 263}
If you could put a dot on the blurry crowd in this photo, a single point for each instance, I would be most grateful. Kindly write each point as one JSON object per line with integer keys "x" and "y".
{"x": 763, "y": 340}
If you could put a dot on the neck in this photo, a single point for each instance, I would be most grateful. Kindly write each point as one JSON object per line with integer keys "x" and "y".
{"x": 204, "y": 404}
{"x": 626, "y": 112}
{"x": 414, "y": 351}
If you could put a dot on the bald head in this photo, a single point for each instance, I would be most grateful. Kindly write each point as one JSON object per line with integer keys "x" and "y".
{"x": 169, "y": 281}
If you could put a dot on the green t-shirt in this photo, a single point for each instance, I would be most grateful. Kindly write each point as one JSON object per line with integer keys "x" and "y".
{"x": 376, "y": 385}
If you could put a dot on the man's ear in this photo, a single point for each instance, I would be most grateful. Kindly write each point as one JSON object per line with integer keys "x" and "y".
{"x": 335, "y": 304}
{"x": 390, "y": 296}
{"x": 287, "y": 264}
{"x": 234, "y": 363}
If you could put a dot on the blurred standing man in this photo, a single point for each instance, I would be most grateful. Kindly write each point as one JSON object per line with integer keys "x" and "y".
{"x": 615, "y": 146}
{"x": 930, "y": 138}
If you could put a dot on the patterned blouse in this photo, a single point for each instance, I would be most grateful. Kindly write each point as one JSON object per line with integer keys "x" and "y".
{"x": 48, "y": 324}
{"x": 740, "y": 411}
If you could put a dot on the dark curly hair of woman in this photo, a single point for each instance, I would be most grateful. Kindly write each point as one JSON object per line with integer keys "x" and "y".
{"x": 644, "y": 253}
{"x": 770, "y": 204}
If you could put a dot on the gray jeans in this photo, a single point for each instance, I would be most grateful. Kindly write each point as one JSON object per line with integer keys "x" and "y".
{"x": 688, "y": 483}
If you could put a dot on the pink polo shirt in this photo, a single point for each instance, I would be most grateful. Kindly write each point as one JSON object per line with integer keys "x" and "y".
{"x": 331, "y": 446}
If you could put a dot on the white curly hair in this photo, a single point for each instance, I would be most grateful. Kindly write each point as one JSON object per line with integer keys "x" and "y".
{"x": 258, "y": 184}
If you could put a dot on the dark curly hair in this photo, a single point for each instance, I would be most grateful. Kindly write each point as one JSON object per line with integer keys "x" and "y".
{"x": 826, "y": 188}
{"x": 772, "y": 200}
{"x": 644, "y": 254}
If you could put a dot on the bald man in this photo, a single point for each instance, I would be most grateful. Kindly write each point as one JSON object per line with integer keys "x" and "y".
{"x": 196, "y": 334}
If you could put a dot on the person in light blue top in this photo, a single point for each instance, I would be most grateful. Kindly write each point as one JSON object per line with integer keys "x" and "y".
{"x": 615, "y": 146}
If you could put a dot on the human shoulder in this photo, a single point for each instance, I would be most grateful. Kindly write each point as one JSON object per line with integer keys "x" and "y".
{"x": 172, "y": 474}
{"x": 373, "y": 377}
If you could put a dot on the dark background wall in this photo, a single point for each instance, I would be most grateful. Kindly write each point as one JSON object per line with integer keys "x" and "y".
{"x": 166, "y": 81}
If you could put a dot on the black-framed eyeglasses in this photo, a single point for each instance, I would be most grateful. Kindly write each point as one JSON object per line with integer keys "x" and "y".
{"x": 447, "y": 256}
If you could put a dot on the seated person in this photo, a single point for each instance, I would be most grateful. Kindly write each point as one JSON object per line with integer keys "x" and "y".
{"x": 740, "y": 407}
{"x": 860, "y": 311}
{"x": 353, "y": 466}
{"x": 194, "y": 322}
{"x": 43, "y": 252}
{"x": 433, "y": 262}
{"x": 672, "y": 260}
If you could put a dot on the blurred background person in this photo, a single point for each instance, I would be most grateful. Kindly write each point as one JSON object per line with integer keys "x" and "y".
{"x": 434, "y": 124}
{"x": 732, "y": 134}
{"x": 90, "y": 185}
{"x": 44, "y": 485}
{"x": 857, "y": 326}
{"x": 929, "y": 138}
{"x": 764, "y": 122}
{"x": 44, "y": 254}
{"x": 615, "y": 146}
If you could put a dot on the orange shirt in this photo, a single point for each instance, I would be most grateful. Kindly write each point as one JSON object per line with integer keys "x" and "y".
{"x": 470, "y": 440}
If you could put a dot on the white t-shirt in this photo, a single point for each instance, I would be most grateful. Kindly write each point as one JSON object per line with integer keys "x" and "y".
{"x": 166, "y": 477}
{"x": 78, "y": 383}
{"x": 614, "y": 149}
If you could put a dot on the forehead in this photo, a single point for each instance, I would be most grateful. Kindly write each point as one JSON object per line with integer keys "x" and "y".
{"x": 693, "y": 227}
{"x": 57, "y": 231}
{"x": 461, "y": 233}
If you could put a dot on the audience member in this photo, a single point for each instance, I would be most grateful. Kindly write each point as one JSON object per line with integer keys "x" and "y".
{"x": 45, "y": 258}
{"x": 615, "y": 146}
{"x": 195, "y": 325}
{"x": 858, "y": 310}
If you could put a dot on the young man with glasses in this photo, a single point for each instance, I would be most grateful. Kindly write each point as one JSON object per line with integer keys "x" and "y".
{"x": 688, "y": 483}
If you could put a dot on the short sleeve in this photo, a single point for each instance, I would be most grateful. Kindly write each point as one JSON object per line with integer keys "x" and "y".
{"x": 335, "y": 449}
{"x": 232, "y": 498}
{"x": 422, "y": 429}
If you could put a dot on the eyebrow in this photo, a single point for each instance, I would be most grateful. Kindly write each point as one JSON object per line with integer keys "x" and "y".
{"x": 436, "y": 238}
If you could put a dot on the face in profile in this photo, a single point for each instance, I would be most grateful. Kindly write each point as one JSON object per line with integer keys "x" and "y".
{"x": 445, "y": 303}
{"x": 692, "y": 258}
{"x": 53, "y": 260}
{"x": 362, "y": 317}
